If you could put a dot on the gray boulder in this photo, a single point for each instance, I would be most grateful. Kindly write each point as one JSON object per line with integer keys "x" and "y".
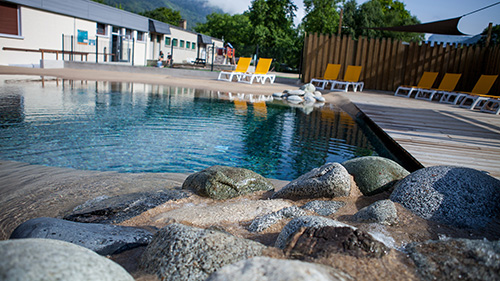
{"x": 374, "y": 174}
{"x": 383, "y": 212}
{"x": 322, "y": 242}
{"x": 296, "y": 93}
{"x": 221, "y": 182}
{"x": 456, "y": 259}
{"x": 320, "y": 98}
{"x": 457, "y": 196}
{"x": 45, "y": 259}
{"x": 294, "y": 99}
{"x": 268, "y": 269}
{"x": 308, "y": 88}
{"x": 324, "y": 208}
{"x": 309, "y": 98}
{"x": 123, "y": 207}
{"x": 103, "y": 239}
{"x": 180, "y": 252}
{"x": 263, "y": 222}
{"x": 306, "y": 221}
{"x": 278, "y": 95}
{"x": 330, "y": 180}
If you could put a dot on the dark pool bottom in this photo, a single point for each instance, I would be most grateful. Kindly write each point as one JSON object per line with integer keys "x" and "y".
{"x": 133, "y": 128}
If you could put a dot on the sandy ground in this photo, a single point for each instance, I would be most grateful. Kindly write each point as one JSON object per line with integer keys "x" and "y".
{"x": 197, "y": 82}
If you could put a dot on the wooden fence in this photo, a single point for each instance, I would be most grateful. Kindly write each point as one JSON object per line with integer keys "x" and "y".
{"x": 389, "y": 63}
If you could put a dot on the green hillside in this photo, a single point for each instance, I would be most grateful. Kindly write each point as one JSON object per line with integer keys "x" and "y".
{"x": 194, "y": 11}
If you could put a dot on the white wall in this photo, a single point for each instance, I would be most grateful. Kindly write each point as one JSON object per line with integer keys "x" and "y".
{"x": 40, "y": 29}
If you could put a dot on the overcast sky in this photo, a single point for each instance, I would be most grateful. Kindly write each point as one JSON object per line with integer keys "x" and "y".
{"x": 425, "y": 10}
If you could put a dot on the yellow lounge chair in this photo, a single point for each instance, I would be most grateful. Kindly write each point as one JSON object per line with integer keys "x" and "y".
{"x": 331, "y": 74}
{"x": 241, "y": 68}
{"x": 478, "y": 96}
{"x": 448, "y": 84}
{"x": 426, "y": 82}
{"x": 482, "y": 87}
{"x": 351, "y": 78}
{"x": 260, "y": 74}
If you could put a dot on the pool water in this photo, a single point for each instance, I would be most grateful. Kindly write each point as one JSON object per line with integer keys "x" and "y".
{"x": 135, "y": 128}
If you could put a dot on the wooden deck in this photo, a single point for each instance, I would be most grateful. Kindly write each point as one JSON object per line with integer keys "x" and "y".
{"x": 434, "y": 133}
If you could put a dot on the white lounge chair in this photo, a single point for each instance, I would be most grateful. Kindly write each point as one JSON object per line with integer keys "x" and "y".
{"x": 426, "y": 82}
{"x": 351, "y": 78}
{"x": 448, "y": 84}
{"x": 477, "y": 96}
{"x": 331, "y": 74}
{"x": 241, "y": 68}
{"x": 260, "y": 74}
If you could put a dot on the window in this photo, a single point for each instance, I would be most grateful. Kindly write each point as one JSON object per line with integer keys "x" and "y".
{"x": 193, "y": 46}
{"x": 9, "y": 21}
{"x": 116, "y": 29}
{"x": 158, "y": 38}
{"x": 174, "y": 42}
{"x": 140, "y": 36}
{"x": 182, "y": 44}
{"x": 188, "y": 45}
{"x": 167, "y": 41}
{"x": 101, "y": 29}
{"x": 128, "y": 34}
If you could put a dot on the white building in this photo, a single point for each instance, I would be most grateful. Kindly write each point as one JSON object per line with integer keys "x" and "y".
{"x": 32, "y": 30}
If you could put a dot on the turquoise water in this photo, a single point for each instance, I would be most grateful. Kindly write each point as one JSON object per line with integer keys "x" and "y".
{"x": 135, "y": 128}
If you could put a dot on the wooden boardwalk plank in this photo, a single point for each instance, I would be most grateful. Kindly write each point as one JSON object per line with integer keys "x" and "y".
{"x": 434, "y": 133}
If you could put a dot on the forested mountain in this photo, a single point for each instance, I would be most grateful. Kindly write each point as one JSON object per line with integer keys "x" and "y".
{"x": 193, "y": 11}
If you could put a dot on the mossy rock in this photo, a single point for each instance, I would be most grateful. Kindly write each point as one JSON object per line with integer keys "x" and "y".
{"x": 221, "y": 182}
{"x": 374, "y": 174}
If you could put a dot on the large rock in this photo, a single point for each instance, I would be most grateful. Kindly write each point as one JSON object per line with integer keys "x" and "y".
{"x": 374, "y": 174}
{"x": 268, "y": 269}
{"x": 456, "y": 259}
{"x": 123, "y": 207}
{"x": 308, "y": 222}
{"x": 220, "y": 182}
{"x": 330, "y": 180}
{"x": 308, "y": 88}
{"x": 102, "y": 238}
{"x": 320, "y": 242}
{"x": 323, "y": 208}
{"x": 383, "y": 212}
{"x": 457, "y": 196}
{"x": 180, "y": 252}
{"x": 45, "y": 259}
{"x": 296, "y": 92}
{"x": 203, "y": 216}
{"x": 263, "y": 222}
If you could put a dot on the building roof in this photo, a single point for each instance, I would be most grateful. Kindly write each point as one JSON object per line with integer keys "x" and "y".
{"x": 93, "y": 11}
{"x": 159, "y": 27}
{"x": 90, "y": 10}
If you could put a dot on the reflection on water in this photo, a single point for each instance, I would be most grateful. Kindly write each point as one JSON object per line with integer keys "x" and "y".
{"x": 132, "y": 127}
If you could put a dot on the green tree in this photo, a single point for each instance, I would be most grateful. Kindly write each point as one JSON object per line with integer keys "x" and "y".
{"x": 274, "y": 31}
{"x": 349, "y": 23}
{"x": 234, "y": 29}
{"x": 495, "y": 36}
{"x": 321, "y": 16}
{"x": 165, "y": 15}
{"x": 384, "y": 13}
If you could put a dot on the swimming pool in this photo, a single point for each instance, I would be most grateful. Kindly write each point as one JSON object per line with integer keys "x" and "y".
{"x": 128, "y": 127}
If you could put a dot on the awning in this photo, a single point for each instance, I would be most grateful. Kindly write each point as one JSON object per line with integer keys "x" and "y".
{"x": 159, "y": 27}
{"x": 204, "y": 39}
{"x": 448, "y": 27}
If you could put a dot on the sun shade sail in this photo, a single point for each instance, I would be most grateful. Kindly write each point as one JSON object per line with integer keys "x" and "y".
{"x": 448, "y": 27}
